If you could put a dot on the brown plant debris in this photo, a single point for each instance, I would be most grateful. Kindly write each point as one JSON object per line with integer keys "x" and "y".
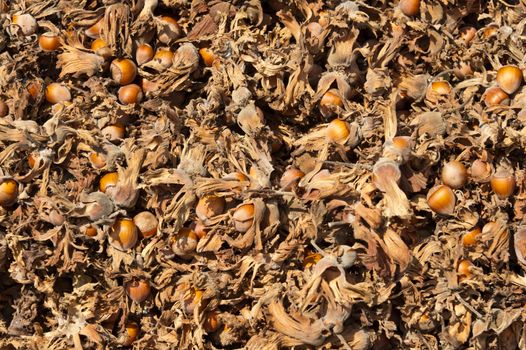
{"x": 262, "y": 175}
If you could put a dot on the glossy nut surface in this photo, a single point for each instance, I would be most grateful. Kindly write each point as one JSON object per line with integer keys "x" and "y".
{"x": 49, "y": 42}
{"x": 94, "y": 31}
{"x": 464, "y": 269}
{"x": 210, "y": 206}
{"x": 207, "y": 56}
{"x": 409, "y": 7}
{"x": 32, "y": 160}
{"x": 124, "y": 234}
{"x": 98, "y": 44}
{"x": 90, "y": 231}
{"x": 470, "y": 238}
{"x": 170, "y": 30}
{"x": 8, "y": 192}
{"x": 97, "y": 160}
{"x": 509, "y": 78}
{"x": 147, "y": 223}
{"x": 138, "y": 290}
{"x": 495, "y": 96}
{"x": 290, "y": 178}
{"x": 337, "y": 131}
{"x": 441, "y": 87}
{"x": 130, "y": 94}
{"x": 56, "y": 93}
{"x": 441, "y": 200}
{"x": 503, "y": 183}
{"x": 143, "y": 54}
{"x": 114, "y": 132}
{"x": 164, "y": 57}
{"x": 101, "y": 48}
{"x": 243, "y": 217}
{"x": 108, "y": 180}
{"x": 123, "y": 71}
{"x": 331, "y": 98}
{"x": 132, "y": 331}
{"x": 454, "y": 174}
{"x": 184, "y": 243}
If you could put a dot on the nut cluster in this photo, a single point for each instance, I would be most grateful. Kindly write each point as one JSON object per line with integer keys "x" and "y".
{"x": 262, "y": 174}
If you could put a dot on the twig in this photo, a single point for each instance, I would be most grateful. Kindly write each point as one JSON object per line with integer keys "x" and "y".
{"x": 465, "y": 303}
{"x": 317, "y": 248}
{"x": 76, "y": 342}
{"x": 337, "y": 223}
{"x": 349, "y": 165}
{"x": 344, "y": 342}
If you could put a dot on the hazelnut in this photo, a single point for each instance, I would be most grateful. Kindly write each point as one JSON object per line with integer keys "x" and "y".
{"x": 97, "y": 160}
{"x": 169, "y": 31}
{"x": 199, "y": 228}
{"x": 243, "y": 217}
{"x": 132, "y": 331}
{"x": 464, "y": 269}
{"x": 123, "y": 71}
{"x": 441, "y": 87}
{"x": 90, "y": 231}
{"x": 454, "y": 174}
{"x": 147, "y": 223}
{"x": 124, "y": 234}
{"x": 108, "y": 180}
{"x": 49, "y": 41}
{"x": 471, "y": 237}
{"x": 441, "y": 200}
{"x": 409, "y": 7}
{"x": 101, "y": 48}
{"x": 509, "y": 78}
{"x": 138, "y": 290}
{"x": 503, "y": 183}
{"x": 94, "y": 31}
{"x": 210, "y": 206}
{"x": 331, "y": 99}
{"x": 184, "y": 243}
{"x": 143, "y": 54}
{"x": 495, "y": 96}
{"x": 130, "y": 94}
{"x": 338, "y": 131}
{"x": 8, "y": 192}
{"x": 56, "y": 93}
{"x": 31, "y": 160}
{"x": 164, "y": 57}
{"x": 26, "y": 22}
{"x": 207, "y": 56}
{"x": 290, "y": 178}
{"x": 114, "y": 132}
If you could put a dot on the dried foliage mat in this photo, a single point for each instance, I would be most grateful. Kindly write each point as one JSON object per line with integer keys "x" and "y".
{"x": 276, "y": 174}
